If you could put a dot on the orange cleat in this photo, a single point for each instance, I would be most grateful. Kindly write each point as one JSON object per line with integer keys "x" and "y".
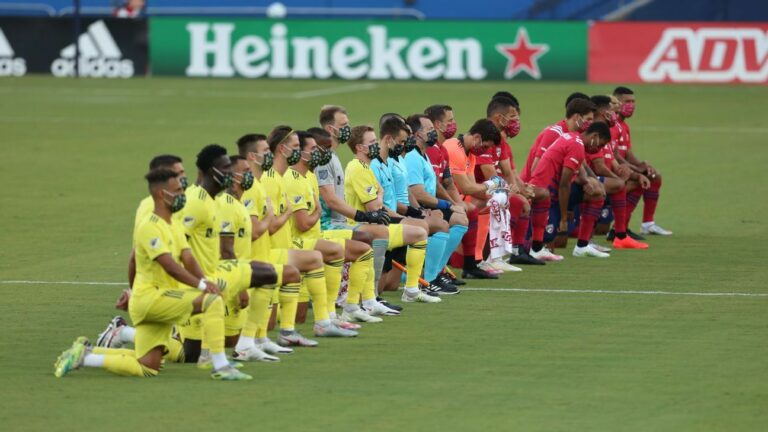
{"x": 628, "y": 243}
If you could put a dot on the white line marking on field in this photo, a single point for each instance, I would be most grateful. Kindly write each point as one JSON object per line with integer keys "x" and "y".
{"x": 533, "y": 290}
{"x": 334, "y": 90}
{"x": 575, "y": 291}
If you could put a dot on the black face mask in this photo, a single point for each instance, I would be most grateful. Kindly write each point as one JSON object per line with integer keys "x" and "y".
{"x": 294, "y": 157}
{"x": 325, "y": 158}
{"x": 410, "y": 143}
{"x": 184, "y": 182}
{"x": 267, "y": 161}
{"x": 431, "y": 138}
{"x": 246, "y": 180}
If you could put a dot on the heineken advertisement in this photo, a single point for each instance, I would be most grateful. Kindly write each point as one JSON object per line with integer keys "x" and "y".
{"x": 380, "y": 50}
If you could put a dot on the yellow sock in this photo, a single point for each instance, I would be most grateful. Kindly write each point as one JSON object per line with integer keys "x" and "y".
{"x": 289, "y": 298}
{"x": 333, "y": 272}
{"x": 121, "y": 364}
{"x": 359, "y": 275}
{"x": 114, "y": 351}
{"x": 175, "y": 351}
{"x": 414, "y": 259}
{"x": 213, "y": 323}
{"x": 316, "y": 285}
{"x": 258, "y": 312}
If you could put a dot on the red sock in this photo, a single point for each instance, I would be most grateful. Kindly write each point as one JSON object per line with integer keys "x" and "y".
{"x": 539, "y": 216}
{"x": 619, "y": 206}
{"x": 632, "y": 199}
{"x": 650, "y": 199}
{"x": 470, "y": 238}
{"x": 590, "y": 213}
{"x": 516, "y": 207}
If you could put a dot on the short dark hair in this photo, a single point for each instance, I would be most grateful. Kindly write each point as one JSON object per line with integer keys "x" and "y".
{"x": 163, "y": 161}
{"x": 159, "y": 176}
{"x": 356, "y": 137}
{"x": 245, "y": 141}
{"x": 328, "y": 113}
{"x": 392, "y": 126}
{"x": 499, "y": 104}
{"x": 487, "y": 131}
{"x": 600, "y": 101}
{"x": 235, "y": 158}
{"x": 437, "y": 112}
{"x": 320, "y": 135}
{"x": 303, "y": 135}
{"x": 579, "y": 106}
{"x": 619, "y": 91}
{"x": 575, "y": 95}
{"x": 386, "y": 116}
{"x": 509, "y": 95}
{"x": 602, "y": 130}
{"x": 208, "y": 155}
{"x": 278, "y": 135}
{"x": 414, "y": 121}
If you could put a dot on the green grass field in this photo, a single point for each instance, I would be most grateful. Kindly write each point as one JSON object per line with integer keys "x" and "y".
{"x": 74, "y": 153}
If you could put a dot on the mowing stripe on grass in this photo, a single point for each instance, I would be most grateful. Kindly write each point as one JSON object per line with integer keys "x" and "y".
{"x": 334, "y": 90}
{"x": 532, "y": 290}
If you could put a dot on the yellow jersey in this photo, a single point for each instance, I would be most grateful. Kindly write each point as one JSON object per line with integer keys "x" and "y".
{"x": 235, "y": 220}
{"x": 201, "y": 228}
{"x": 303, "y": 194}
{"x": 147, "y": 207}
{"x": 154, "y": 237}
{"x": 255, "y": 202}
{"x": 360, "y": 185}
{"x": 274, "y": 185}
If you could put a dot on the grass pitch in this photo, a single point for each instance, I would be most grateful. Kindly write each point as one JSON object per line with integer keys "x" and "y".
{"x": 74, "y": 152}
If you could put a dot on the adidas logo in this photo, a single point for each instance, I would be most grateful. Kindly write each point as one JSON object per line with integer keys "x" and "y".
{"x": 10, "y": 65}
{"x": 100, "y": 56}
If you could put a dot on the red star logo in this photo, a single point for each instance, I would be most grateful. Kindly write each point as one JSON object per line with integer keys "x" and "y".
{"x": 522, "y": 55}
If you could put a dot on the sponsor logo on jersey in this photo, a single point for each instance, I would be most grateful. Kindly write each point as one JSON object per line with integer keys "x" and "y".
{"x": 100, "y": 56}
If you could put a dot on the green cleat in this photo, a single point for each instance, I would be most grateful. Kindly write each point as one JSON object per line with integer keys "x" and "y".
{"x": 230, "y": 374}
{"x": 72, "y": 358}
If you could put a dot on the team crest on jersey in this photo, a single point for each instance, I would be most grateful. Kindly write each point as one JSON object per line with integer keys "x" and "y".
{"x": 297, "y": 199}
{"x": 604, "y": 213}
{"x": 241, "y": 232}
{"x": 248, "y": 203}
{"x": 189, "y": 221}
{"x": 155, "y": 243}
{"x": 225, "y": 226}
{"x": 370, "y": 190}
{"x": 209, "y": 233}
{"x": 322, "y": 175}
{"x": 550, "y": 229}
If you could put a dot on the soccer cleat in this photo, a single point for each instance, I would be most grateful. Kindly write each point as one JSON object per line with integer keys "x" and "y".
{"x": 611, "y": 235}
{"x": 500, "y": 264}
{"x": 545, "y": 255}
{"x": 453, "y": 279}
{"x": 389, "y": 305}
{"x": 628, "y": 243}
{"x": 270, "y": 347}
{"x": 359, "y": 315}
{"x": 346, "y": 325}
{"x": 652, "y": 228}
{"x": 110, "y": 337}
{"x": 634, "y": 235}
{"x": 253, "y": 353}
{"x": 296, "y": 339}
{"x": 443, "y": 287}
{"x": 477, "y": 273}
{"x": 230, "y": 373}
{"x": 523, "y": 258}
{"x": 331, "y": 330}
{"x": 421, "y": 297}
{"x": 380, "y": 310}
{"x": 600, "y": 247}
{"x": 72, "y": 358}
{"x": 588, "y": 251}
{"x": 488, "y": 267}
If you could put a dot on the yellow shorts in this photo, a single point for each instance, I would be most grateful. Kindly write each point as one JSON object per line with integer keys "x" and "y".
{"x": 154, "y": 313}
{"x": 309, "y": 244}
{"x": 395, "y": 236}
{"x": 344, "y": 234}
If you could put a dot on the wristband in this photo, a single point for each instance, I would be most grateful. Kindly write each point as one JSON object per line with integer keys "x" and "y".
{"x": 201, "y": 285}
{"x": 443, "y": 204}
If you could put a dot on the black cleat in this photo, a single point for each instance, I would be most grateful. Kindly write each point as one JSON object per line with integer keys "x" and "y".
{"x": 524, "y": 259}
{"x": 611, "y": 235}
{"x": 634, "y": 235}
{"x": 477, "y": 273}
{"x": 453, "y": 280}
{"x": 444, "y": 287}
{"x": 389, "y": 305}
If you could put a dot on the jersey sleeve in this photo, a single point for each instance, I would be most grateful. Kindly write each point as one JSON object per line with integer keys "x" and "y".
{"x": 364, "y": 184}
{"x": 294, "y": 187}
{"x": 194, "y": 213}
{"x": 574, "y": 157}
{"x": 152, "y": 240}
{"x": 324, "y": 176}
{"x": 486, "y": 158}
{"x": 457, "y": 161}
{"x": 227, "y": 215}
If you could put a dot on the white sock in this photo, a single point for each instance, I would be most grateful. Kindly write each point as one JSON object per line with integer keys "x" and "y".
{"x": 127, "y": 334}
{"x": 262, "y": 340}
{"x": 93, "y": 360}
{"x": 323, "y": 323}
{"x": 370, "y": 303}
{"x": 244, "y": 343}
{"x": 411, "y": 292}
{"x": 350, "y": 308}
{"x": 332, "y": 315}
{"x": 219, "y": 360}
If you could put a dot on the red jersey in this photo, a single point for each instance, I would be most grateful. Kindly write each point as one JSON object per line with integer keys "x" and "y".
{"x": 620, "y": 141}
{"x": 567, "y": 151}
{"x": 546, "y": 137}
{"x": 438, "y": 157}
{"x": 606, "y": 153}
{"x": 491, "y": 156}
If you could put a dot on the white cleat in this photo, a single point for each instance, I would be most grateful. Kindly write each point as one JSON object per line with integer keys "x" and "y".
{"x": 380, "y": 310}
{"x": 296, "y": 339}
{"x": 270, "y": 347}
{"x": 332, "y": 330}
{"x": 486, "y": 266}
{"x": 652, "y": 228}
{"x": 253, "y": 354}
{"x": 359, "y": 316}
{"x": 500, "y": 264}
{"x": 545, "y": 255}
{"x": 110, "y": 337}
{"x": 421, "y": 297}
{"x": 588, "y": 251}
{"x": 600, "y": 247}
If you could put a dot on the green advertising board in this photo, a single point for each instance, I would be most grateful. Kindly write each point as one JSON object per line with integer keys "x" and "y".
{"x": 345, "y": 49}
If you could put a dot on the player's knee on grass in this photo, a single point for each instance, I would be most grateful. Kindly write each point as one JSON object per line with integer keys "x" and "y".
{"x": 354, "y": 249}
{"x": 262, "y": 274}
{"x": 363, "y": 236}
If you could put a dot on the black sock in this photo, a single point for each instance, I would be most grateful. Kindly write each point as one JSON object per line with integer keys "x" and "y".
{"x": 536, "y": 246}
{"x": 469, "y": 262}
{"x": 621, "y": 236}
{"x": 582, "y": 243}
